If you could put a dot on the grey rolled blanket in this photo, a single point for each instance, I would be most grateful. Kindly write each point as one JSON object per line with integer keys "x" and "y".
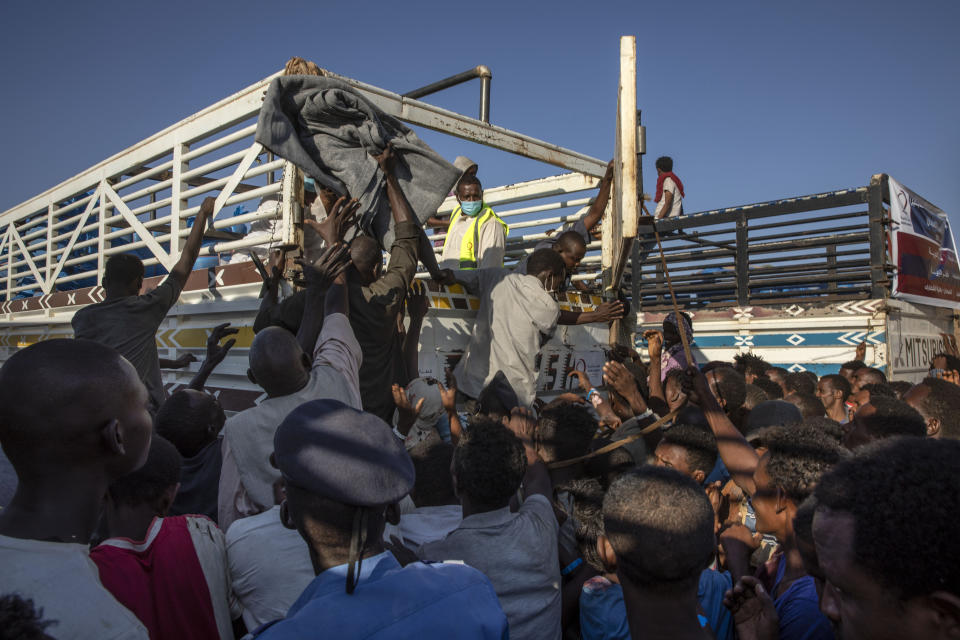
{"x": 329, "y": 131}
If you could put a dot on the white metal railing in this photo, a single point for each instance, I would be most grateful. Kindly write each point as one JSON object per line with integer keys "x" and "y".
{"x": 142, "y": 198}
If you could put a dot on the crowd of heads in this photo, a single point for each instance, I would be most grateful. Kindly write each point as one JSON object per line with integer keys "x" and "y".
{"x": 849, "y": 494}
{"x": 855, "y": 476}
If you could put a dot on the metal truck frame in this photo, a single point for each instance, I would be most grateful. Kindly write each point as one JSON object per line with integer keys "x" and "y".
{"x": 827, "y": 275}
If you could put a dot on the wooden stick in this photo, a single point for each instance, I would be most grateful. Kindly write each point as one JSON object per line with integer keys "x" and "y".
{"x": 616, "y": 445}
{"x": 673, "y": 297}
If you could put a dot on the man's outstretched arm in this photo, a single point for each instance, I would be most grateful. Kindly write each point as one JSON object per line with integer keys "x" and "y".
{"x": 191, "y": 249}
{"x": 606, "y": 312}
{"x": 595, "y": 212}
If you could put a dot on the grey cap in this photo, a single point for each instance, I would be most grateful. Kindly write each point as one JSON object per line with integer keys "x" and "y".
{"x": 335, "y": 451}
{"x": 432, "y": 408}
{"x": 464, "y": 164}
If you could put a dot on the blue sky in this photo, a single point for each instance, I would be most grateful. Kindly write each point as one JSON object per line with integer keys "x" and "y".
{"x": 754, "y": 100}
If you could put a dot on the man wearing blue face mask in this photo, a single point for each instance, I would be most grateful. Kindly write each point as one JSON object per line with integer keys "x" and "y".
{"x": 476, "y": 237}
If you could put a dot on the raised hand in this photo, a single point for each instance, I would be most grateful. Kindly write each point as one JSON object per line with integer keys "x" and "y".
{"x": 387, "y": 160}
{"x": 275, "y": 263}
{"x": 753, "y": 611}
{"x": 583, "y": 378}
{"x": 183, "y": 361}
{"x": 338, "y": 221}
{"x": 206, "y": 209}
{"x": 654, "y": 340}
{"x": 332, "y": 262}
{"x": 951, "y": 375}
{"x": 861, "y": 351}
{"x": 608, "y": 311}
{"x": 403, "y": 402}
{"x": 215, "y": 351}
{"x": 444, "y": 277}
{"x": 618, "y": 377}
{"x": 417, "y": 302}
{"x": 525, "y": 428}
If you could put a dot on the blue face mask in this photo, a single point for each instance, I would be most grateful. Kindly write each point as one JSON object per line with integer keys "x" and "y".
{"x": 471, "y": 207}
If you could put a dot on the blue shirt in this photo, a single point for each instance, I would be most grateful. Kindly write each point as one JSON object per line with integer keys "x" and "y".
{"x": 799, "y": 609}
{"x": 417, "y": 601}
{"x": 710, "y": 590}
{"x": 603, "y": 615}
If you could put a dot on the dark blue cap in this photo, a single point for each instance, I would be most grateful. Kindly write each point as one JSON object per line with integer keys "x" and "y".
{"x": 330, "y": 449}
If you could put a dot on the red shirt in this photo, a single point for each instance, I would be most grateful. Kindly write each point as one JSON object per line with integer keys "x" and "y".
{"x": 160, "y": 580}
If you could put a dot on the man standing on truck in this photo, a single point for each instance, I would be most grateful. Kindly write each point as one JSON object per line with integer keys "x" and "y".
{"x": 127, "y": 321}
{"x": 476, "y": 237}
{"x": 669, "y": 199}
{"x": 669, "y": 196}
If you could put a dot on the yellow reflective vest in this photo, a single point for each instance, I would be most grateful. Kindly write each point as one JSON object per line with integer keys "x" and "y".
{"x": 468, "y": 246}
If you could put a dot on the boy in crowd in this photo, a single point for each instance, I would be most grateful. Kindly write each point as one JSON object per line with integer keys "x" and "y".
{"x": 658, "y": 533}
{"x": 883, "y": 417}
{"x": 833, "y": 391}
{"x": 170, "y": 571}
{"x": 66, "y": 453}
{"x": 516, "y": 550}
{"x": 893, "y": 496}
{"x": 938, "y": 402}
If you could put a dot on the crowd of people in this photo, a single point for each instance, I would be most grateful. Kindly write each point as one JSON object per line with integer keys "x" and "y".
{"x": 674, "y": 499}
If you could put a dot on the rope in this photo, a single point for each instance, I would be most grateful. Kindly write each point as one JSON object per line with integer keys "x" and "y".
{"x": 673, "y": 298}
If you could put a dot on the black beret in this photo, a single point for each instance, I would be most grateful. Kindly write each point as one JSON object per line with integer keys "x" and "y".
{"x": 335, "y": 451}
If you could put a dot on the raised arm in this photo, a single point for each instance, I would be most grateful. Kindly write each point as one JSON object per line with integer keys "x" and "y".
{"x": 191, "y": 249}
{"x": 399, "y": 205}
{"x": 326, "y": 292}
{"x": 417, "y": 306}
{"x": 595, "y": 212}
{"x": 537, "y": 478}
{"x": 215, "y": 354}
{"x": 605, "y": 312}
{"x": 738, "y": 456}
{"x": 448, "y": 400}
{"x": 658, "y": 397}
{"x": 271, "y": 289}
{"x": 622, "y": 381}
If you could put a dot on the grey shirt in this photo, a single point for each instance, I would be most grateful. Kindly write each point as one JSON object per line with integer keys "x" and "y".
{"x": 518, "y": 552}
{"x": 130, "y": 325}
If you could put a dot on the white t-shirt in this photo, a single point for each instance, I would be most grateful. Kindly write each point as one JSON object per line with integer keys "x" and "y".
{"x": 62, "y": 580}
{"x": 669, "y": 186}
{"x": 269, "y": 564}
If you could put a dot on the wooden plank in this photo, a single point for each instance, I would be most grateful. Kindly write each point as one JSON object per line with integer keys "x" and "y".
{"x": 627, "y": 136}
